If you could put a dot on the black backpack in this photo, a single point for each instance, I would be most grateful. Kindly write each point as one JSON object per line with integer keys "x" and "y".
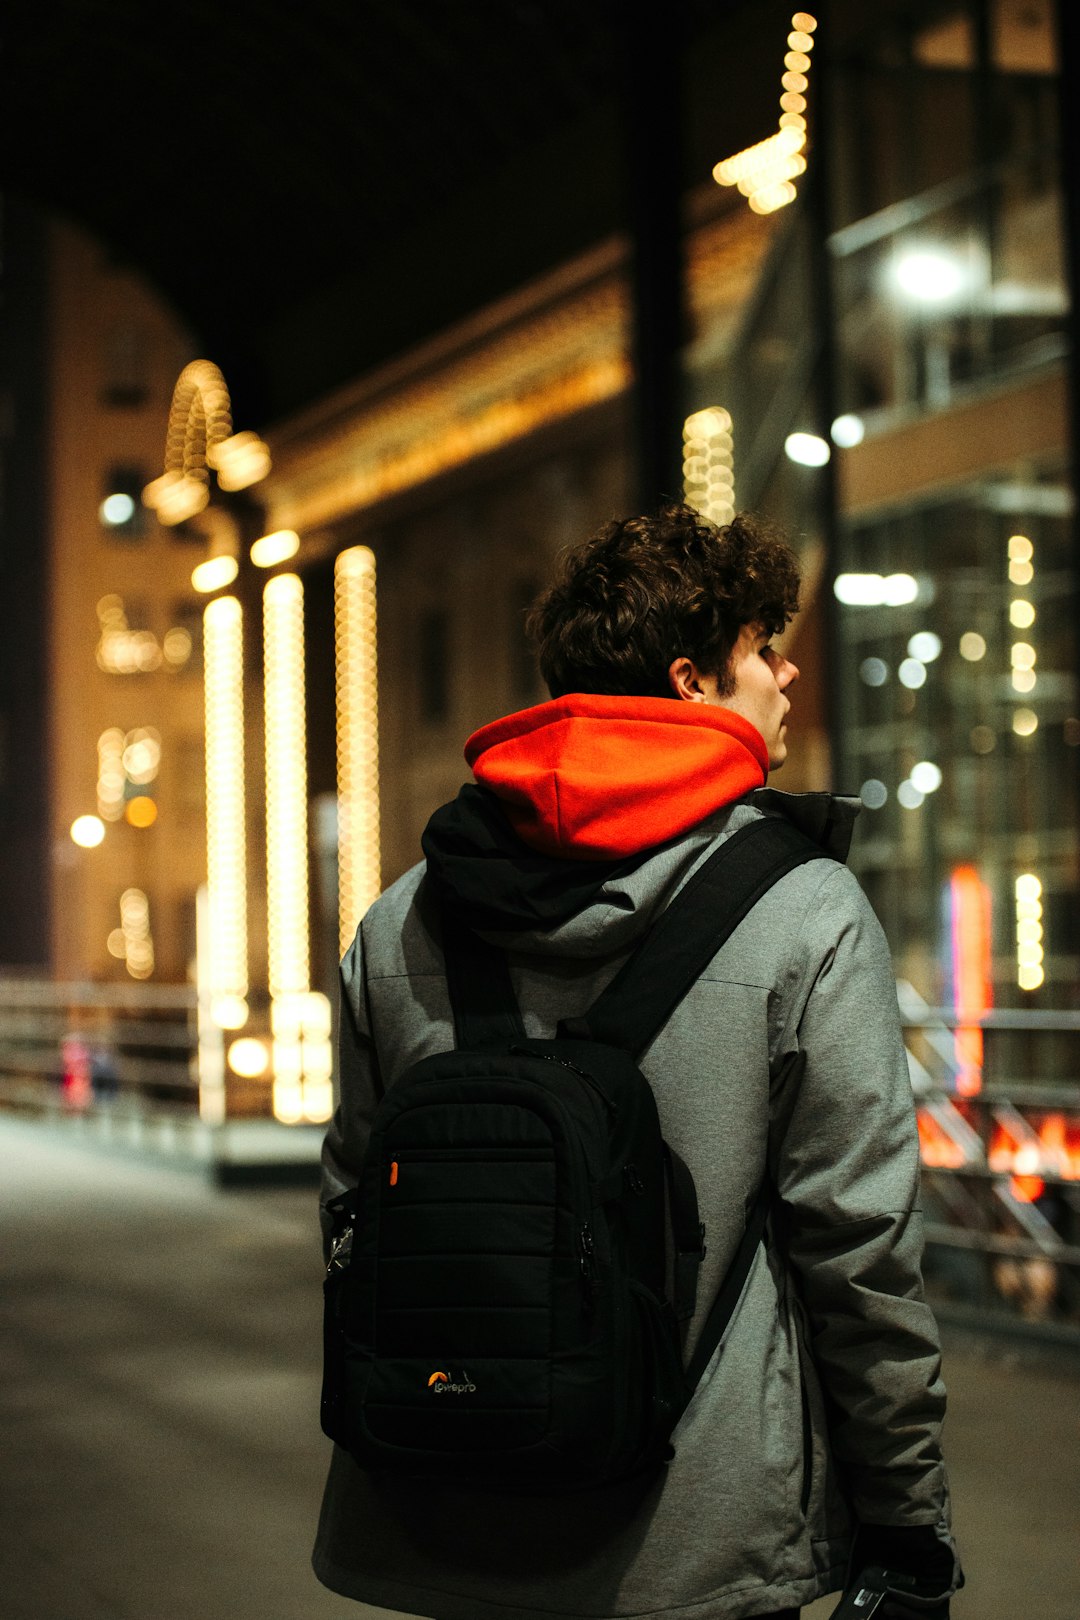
{"x": 495, "y": 1303}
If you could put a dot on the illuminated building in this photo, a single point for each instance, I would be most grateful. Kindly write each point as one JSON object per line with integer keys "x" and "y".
{"x": 951, "y": 296}
{"x": 122, "y": 679}
{"x": 957, "y": 702}
{"x": 520, "y": 405}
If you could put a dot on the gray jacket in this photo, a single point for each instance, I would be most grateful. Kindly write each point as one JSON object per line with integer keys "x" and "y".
{"x": 825, "y": 1399}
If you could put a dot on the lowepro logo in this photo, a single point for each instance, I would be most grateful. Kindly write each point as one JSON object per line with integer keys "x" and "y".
{"x": 441, "y": 1383}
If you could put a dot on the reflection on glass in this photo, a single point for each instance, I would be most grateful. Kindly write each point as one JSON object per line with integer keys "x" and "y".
{"x": 994, "y": 712}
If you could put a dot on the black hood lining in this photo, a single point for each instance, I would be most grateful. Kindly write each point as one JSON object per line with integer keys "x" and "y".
{"x": 480, "y": 868}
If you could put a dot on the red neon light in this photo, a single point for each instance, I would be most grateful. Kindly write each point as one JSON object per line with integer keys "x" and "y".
{"x": 1026, "y": 1189}
{"x": 973, "y": 987}
{"x": 1051, "y": 1149}
{"x": 936, "y": 1146}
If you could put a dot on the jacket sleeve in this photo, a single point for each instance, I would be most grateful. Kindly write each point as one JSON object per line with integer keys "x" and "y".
{"x": 360, "y": 1086}
{"x": 844, "y": 1156}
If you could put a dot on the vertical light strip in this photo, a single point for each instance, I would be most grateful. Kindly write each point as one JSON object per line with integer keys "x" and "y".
{"x": 286, "y": 837}
{"x": 135, "y": 927}
{"x": 1029, "y": 931}
{"x": 225, "y": 842}
{"x": 286, "y": 786}
{"x": 359, "y": 876}
{"x": 972, "y": 973}
{"x": 708, "y": 466}
{"x": 1022, "y": 614}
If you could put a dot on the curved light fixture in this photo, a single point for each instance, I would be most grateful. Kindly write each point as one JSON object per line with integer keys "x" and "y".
{"x": 200, "y": 437}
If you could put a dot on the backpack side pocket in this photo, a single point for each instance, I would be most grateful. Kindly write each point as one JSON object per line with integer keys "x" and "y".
{"x": 662, "y": 1385}
{"x": 332, "y": 1402}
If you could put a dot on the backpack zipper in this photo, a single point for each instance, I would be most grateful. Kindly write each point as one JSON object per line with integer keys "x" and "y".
{"x": 564, "y": 1063}
{"x": 585, "y": 1242}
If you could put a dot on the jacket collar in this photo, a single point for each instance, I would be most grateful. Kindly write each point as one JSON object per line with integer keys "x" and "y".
{"x": 827, "y": 818}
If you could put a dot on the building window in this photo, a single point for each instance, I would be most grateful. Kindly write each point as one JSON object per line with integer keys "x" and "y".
{"x": 182, "y": 643}
{"x": 959, "y": 709}
{"x": 121, "y": 513}
{"x": 434, "y": 666}
{"x": 124, "y": 371}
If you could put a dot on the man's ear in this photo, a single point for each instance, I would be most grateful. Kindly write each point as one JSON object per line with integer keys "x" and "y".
{"x": 685, "y": 681}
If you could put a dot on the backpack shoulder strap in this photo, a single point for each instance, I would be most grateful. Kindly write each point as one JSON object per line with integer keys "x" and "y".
{"x": 482, "y": 997}
{"x": 681, "y": 943}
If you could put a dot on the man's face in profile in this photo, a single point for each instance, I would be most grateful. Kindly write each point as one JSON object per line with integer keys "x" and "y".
{"x": 762, "y": 677}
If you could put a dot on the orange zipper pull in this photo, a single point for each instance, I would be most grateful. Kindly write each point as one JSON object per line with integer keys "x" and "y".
{"x": 393, "y": 1172}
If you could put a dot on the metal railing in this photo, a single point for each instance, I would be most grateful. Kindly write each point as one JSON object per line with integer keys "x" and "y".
{"x": 948, "y": 292}
{"x": 1001, "y": 1157}
{"x": 1001, "y": 1160}
{"x": 80, "y": 1046}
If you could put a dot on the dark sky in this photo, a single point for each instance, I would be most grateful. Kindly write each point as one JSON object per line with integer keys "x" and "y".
{"x": 316, "y": 187}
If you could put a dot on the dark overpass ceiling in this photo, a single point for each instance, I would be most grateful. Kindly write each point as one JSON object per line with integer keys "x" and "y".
{"x": 316, "y": 186}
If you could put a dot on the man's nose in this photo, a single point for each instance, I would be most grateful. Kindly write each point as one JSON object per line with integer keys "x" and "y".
{"x": 787, "y": 674}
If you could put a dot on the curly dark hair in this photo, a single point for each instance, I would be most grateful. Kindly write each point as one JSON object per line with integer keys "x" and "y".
{"x": 644, "y": 591}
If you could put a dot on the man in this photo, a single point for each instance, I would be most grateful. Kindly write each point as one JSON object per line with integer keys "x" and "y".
{"x": 820, "y": 1415}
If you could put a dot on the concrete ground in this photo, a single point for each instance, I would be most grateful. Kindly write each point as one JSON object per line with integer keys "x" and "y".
{"x": 161, "y": 1457}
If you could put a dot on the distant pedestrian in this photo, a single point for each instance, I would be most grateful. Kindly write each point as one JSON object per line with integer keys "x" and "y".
{"x": 76, "y": 1085}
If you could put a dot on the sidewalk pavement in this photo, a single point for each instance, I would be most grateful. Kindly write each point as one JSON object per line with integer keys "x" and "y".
{"x": 159, "y": 1363}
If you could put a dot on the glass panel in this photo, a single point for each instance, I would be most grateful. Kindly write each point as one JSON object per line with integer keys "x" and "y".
{"x": 1023, "y": 37}
{"x": 909, "y": 93}
{"x": 767, "y": 380}
{"x": 951, "y": 290}
{"x": 960, "y": 725}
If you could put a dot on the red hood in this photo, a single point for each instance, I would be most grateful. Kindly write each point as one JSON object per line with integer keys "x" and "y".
{"x": 590, "y": 777}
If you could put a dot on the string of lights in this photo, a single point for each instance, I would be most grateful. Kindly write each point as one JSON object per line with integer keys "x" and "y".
{"x": 286, "y": 785}
{"x": 1029, "y": 931}
{"x": 199, "y": 439}
{"x": 359, "y": 877}
{"x": 226, "y": 855}
{"x": 708, "y": 471}
{"x": 765, "y": 173}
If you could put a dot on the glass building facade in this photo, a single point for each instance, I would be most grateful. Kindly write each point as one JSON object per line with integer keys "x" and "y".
{"x": 955, "y": 648}
{"x": 956, "y": 686}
